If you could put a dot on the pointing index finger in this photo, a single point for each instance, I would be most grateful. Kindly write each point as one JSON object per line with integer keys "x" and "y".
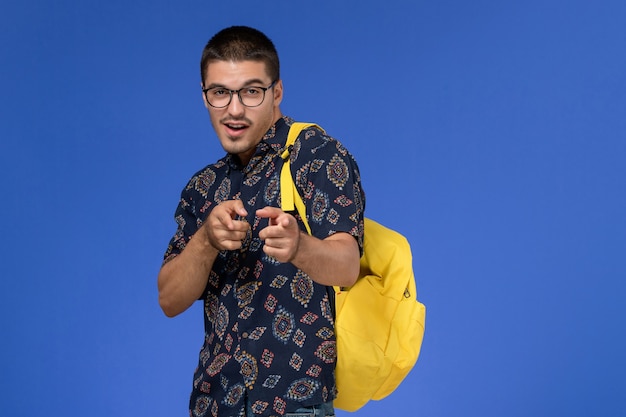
{"x": 269, "y": 212}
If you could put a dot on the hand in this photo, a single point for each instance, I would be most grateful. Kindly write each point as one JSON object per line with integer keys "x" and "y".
{"x": 222, "y": 228}
{"x": 281, "y": 236}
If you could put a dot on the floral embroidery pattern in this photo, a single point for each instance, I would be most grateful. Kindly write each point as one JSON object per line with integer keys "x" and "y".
{"x": 283, "y": 326}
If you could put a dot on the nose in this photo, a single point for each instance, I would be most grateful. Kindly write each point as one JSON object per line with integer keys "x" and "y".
{"x": 235, "y": 108}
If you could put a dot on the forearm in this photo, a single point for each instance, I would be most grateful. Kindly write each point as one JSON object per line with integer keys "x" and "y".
{"x": 182, "y": 280}
{"x": 331, "y": 261}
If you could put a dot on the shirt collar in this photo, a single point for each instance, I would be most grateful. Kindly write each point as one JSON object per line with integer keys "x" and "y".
{"x": 274, "y": 139}
{"x": 277, "y": 134}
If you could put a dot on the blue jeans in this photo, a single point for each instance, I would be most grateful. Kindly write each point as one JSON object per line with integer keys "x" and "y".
{"x": 320, "y": 410}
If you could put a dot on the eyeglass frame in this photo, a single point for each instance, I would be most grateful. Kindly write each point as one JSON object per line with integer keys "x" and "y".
{"x": 231, "y": 92}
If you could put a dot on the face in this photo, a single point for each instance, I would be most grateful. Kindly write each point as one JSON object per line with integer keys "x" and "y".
{"x": 240, "y": 128}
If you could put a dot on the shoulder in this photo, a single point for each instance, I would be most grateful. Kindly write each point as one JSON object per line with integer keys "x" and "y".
{"x": 206, "y": 177}
{"x": 315, "y": 143}
{"x": 318, "y": 157}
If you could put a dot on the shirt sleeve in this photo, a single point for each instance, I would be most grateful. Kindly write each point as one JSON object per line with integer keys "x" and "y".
{"x": 188, "y": 216}
{"x": 328, "y": 179}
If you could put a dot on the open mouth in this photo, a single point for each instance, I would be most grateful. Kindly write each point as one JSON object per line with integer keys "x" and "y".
{"x": 235, "y": 126}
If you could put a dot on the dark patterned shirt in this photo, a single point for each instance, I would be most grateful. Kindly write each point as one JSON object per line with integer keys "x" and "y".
{"x": 269, "y": 333}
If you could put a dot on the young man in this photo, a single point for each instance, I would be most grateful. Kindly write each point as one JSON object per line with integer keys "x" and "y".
{"x": 269, "y": 346}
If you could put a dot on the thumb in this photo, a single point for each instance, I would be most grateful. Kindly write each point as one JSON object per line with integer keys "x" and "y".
{"x": 285, "y": 221}
{"x": 239, "y": 208}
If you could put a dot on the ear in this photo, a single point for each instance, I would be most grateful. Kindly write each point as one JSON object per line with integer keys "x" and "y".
{"x": 203, "y": 96}
{"x": 278, "y": 92}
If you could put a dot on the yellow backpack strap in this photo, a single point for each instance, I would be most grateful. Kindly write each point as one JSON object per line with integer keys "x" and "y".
{"x": 289, "y": 196}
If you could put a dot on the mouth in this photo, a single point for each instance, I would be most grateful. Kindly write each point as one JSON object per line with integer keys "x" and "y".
{"x": 235, "y": 128}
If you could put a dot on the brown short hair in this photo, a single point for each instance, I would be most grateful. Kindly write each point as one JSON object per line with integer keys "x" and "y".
{"x": 241, "y": 43}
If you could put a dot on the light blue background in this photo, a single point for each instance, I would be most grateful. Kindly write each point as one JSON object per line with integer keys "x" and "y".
{"x": 491, "y": 133}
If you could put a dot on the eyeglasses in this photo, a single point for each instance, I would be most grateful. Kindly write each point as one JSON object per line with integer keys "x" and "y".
{"x": 220, "y": 97}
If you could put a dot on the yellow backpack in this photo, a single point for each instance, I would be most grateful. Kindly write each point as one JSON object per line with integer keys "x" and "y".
{"x": 379, "y": 323}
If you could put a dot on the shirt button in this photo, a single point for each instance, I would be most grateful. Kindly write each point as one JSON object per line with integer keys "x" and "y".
{"x": 244, "y": 335}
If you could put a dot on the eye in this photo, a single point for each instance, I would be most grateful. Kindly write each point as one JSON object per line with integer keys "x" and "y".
{"x": 252, "y": 91}
{"x": 218, "y": 92}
